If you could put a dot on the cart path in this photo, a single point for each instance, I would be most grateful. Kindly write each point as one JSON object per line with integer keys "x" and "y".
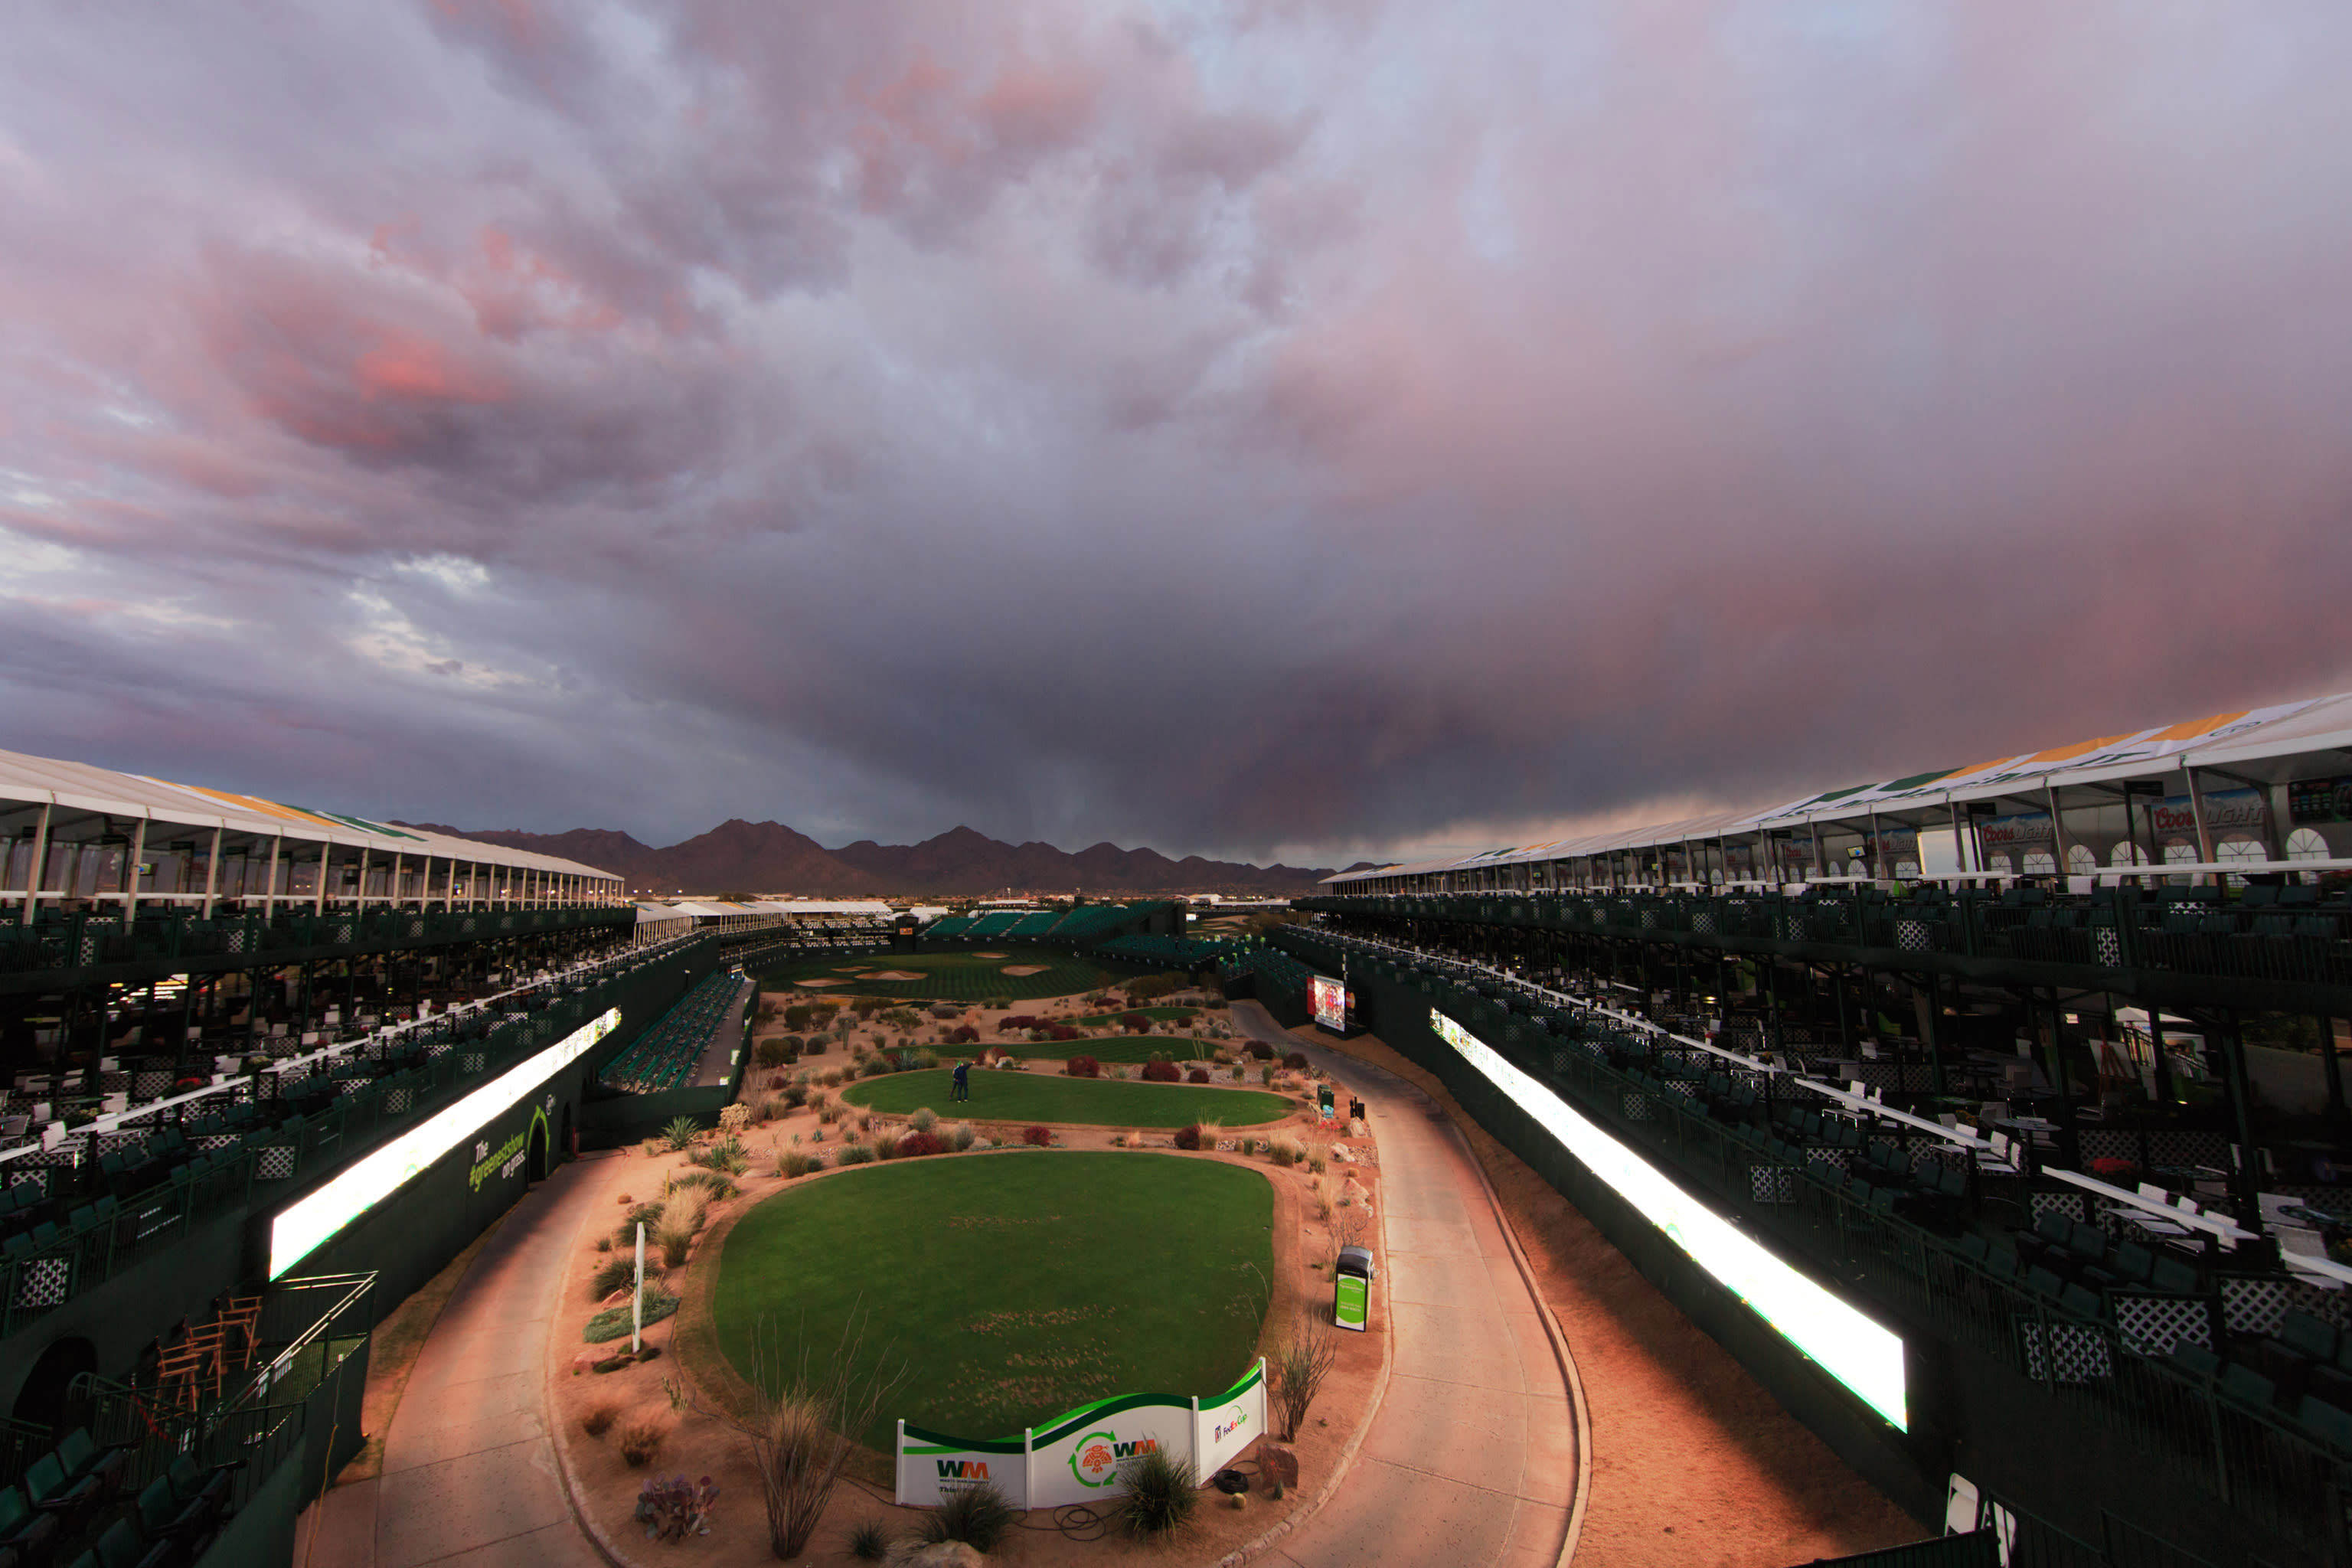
{"x": 1470, "y": 1457}
{"x": 469, "y": 1476}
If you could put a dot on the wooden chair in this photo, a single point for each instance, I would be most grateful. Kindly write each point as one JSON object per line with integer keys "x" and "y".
{"x": 240, "y": 1318}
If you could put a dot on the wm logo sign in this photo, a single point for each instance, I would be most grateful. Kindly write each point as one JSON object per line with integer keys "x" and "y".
{"x": 963, "y": 1470}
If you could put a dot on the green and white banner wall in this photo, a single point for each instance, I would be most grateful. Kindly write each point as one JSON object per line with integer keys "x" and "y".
{"x": 1082, "y": 1457}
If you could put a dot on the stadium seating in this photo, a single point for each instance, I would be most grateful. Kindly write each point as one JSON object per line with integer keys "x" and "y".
{"x": 663, "y": 1057}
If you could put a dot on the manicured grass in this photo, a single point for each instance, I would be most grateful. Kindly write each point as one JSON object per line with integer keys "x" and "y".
{"x": 949, "y": 976}
{"x": 1014, "y": 1285}
{"x": 1049, "y": 1096}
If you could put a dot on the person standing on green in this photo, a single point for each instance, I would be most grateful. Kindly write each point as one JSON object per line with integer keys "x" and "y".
{"x": 962, "y": 1081}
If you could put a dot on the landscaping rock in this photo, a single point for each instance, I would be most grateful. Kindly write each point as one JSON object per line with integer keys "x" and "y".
{"x": 938, "y": 1554}
{"x": 1278, "y": 1461}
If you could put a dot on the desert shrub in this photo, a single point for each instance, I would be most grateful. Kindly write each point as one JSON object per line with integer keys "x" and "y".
{"x": 599, "y": 1421}
{"x": 1198, "y": 1075}
{"x": 1162, "y": 1072}
{"x": 915, "y": 1144}
{"x": 1082, "y": 1067}
{"x": 867, "y": 1541}
{"x": 796, "y": 1096}
{"x": 1162, "y": 1494}
{"x": 680, "y": 1220}
{"x": 1135, "y": 1023}
{"x": 1295, "y": 1373}
{"x": 772, "y": 1051}
{"x": 641, "y": 1440}
{"x": 612, "y": 1322}
{"x": 1188, "y": 1137}
{"x": 604, "y": 1244}
{"x": 963, "y": 1035}
{"x": 680, "y": 1133}
{"x": 960, "y": 1136}
{"x": 1295, "y": 1062}
{"x": 1013, "y": 1024}
{"x": 728, "y": 1155}
{"x": 1285, "y": 1151}
{"x": 885, "y": 1142}
{"x": 856, "y": 1154}
{"x": 1063, "y": 1032}
{"x": 1259, "y": 1050}
{"x": 830, "y": 1078}
{"x": 924, "y": 1119}
{"x": 977, "y": 1515}
{"x": 1041, "y": 1137}
{"x": 876, "y": 1066}
{"x": 792, "y": 1162}
{"x": 797, "y": 1016}
{"x": 813, "y": 1046}
{"x": 828, "y": 1115}
{"x": 1265, "y": 1077}
{"x": 1318, "y": 1158}
{"x": 613, "y": 1274}
{"x": 714, "y": 1183}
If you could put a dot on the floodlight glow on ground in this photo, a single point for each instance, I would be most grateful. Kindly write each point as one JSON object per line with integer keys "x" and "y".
{"x": 1851, "y": 1348}
{"x": 301, "y": 1228}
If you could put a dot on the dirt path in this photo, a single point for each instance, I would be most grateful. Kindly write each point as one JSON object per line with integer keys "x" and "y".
{"x": 1472, "y": 1456}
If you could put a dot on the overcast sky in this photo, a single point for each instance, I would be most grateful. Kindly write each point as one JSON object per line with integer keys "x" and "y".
{"x": 1263, "y": 427}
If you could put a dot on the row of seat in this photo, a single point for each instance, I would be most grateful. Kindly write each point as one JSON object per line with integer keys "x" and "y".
{"x": 2304, "y": 1372}
{"x": 663, "y": 1057}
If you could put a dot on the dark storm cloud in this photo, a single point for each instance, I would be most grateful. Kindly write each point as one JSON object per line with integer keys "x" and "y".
{"x": 1269, "y": 426}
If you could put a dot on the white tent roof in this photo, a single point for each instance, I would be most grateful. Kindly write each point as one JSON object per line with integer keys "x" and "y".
{"x": 77, "y": 788}
{"x": 2259, "y": 742}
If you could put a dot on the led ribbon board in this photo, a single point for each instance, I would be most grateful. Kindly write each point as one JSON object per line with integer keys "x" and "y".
{"x": 302, "y": 1227}
{"x": 1851, "y": 1348}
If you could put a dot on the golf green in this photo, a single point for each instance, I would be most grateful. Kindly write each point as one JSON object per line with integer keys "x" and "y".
{"x": 948, "y": 976}
{"x": 1011, "y": 1286}
{"x": 999, "y": 1096}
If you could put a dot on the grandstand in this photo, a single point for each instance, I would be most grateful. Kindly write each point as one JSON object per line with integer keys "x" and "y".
{"x": 1085, "y": 927}
{"x": 2034, "y": 1064}
{"x": 664, "y": 1056}
{"x": 1169, "y": 952}
{"x": 253, "y": 1053}
{"x": 1273, "y": 977}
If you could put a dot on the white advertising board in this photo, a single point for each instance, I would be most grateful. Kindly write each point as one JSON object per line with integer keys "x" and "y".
{"x": 1082, "y": 1457}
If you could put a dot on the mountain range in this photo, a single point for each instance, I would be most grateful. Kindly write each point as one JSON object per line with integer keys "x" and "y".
{"x": 769, "y": 857}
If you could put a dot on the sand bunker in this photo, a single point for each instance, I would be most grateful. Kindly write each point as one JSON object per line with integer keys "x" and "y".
{"x": 893, "y": 975}
{"x": 1019, "y": 970}
{"x": 820, "y": 982}
{"x": 991, "y": 955}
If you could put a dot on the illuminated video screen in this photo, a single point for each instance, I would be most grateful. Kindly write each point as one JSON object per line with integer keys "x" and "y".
{"x": 302, "y": 1227}
{"x": 1850, "y": 1347}
{"x": 1328, "y": 999}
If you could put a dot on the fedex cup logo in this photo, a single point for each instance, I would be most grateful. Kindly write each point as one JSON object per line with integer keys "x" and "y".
{"x": 1096, "y": 1460}
{"x": 1235, "y": 1419}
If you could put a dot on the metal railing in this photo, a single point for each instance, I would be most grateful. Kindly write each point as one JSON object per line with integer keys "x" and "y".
{"x": 2117, "y": 928}
{"x": 2249, "y": 1460}
{"x": 336, "y": 1114}
{"x": 83, "y": 941}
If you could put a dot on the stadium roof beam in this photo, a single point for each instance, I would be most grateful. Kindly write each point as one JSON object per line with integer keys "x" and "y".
{"x": 81, "y": 836}
{"x": 2289, "y": 811}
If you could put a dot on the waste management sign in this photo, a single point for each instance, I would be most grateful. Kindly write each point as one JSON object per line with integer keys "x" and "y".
{"x": 1084, "y": 1456}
